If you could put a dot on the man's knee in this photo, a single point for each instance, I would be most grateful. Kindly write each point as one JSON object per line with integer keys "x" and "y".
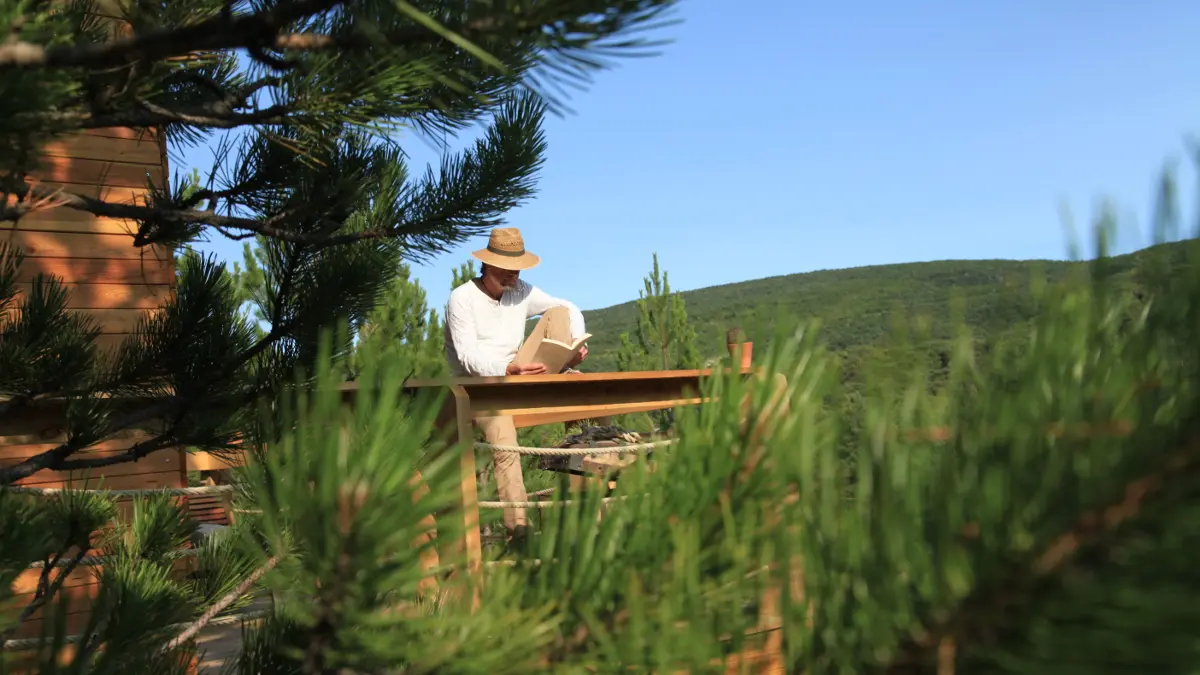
{"x": 558, "y": 313}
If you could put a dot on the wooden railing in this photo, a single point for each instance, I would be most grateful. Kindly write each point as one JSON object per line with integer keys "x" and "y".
{"x": 534, "y": 400}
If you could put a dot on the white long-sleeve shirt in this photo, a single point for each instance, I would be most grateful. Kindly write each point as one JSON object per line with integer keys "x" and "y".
{"x": 483, "y": 335}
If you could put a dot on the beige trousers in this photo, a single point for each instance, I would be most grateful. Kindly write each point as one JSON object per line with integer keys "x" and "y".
{"x": 555, "y": 324}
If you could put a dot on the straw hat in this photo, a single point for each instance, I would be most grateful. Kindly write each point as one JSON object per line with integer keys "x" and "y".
{"x": 506, "y": 250}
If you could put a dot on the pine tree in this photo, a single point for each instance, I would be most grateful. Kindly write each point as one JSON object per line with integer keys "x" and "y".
{"x": 308, "y": 167}
{"x": 663, "y": 340}
{"x": 302, "y": 100}
{"x": 462, "y": 274}
{"x": 403, "y": 327}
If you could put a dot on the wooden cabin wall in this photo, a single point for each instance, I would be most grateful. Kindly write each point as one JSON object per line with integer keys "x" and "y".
{"x": 108, "y": 279}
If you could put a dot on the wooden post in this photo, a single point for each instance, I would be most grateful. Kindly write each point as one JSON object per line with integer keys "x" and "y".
{"x": 467, "y": 550}
{"x": 428, "y": 586}
{"x": 769, "y": 610}
{"x": 741, "y": 352}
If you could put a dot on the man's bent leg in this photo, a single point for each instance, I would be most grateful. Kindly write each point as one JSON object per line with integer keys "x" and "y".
{"x": 555, "y": 324}
{"x": 510, "y": 482}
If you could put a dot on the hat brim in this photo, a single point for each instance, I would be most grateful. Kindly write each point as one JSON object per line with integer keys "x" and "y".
{"x": 514, "y": 263}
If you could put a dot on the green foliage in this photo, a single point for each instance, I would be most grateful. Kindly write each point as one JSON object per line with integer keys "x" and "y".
{"x": 43, "y": 347}
{"x": 306, "y": 167}
{"x": 857, "y": 306}
{"x": 1014, "y": 487}
{"x": 1018, "y": 518}
{"x": 403, "y": 327}
{"x": 365, "y": 567}
{"x": 300, "y": 101}
{"x": 462, "y": 274}
{"x": 1039, "y": 517}
{"x": 663, "y": 339}
{"x": 141, "y": 599}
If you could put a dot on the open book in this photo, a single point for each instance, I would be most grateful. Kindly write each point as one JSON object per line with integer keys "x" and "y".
{"x": 551, "y": 353}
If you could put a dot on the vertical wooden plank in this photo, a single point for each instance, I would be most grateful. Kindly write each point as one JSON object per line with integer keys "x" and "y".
{"x": 426, "y": 542}
{"x": 468, "y": 548}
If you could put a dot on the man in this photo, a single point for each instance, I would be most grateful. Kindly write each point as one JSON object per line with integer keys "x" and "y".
{"x": 485, "y": 331}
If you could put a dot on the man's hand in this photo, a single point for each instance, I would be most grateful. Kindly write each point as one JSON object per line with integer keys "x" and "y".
{"x": 578, "y": 358}
{"x": 527, "y": 369}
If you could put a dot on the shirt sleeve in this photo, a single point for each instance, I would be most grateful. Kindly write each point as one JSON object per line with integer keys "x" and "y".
{"x": 540, "y": 301}
{"x": 461, "y": 323}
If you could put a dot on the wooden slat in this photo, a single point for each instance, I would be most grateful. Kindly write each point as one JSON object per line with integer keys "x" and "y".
{"x": 122, "y": 132}
{"x": 32, "y": 628}
{"x": 111, "y": 296}
{"x": 18, "y": 447}
{"x": 117, "y": 320}
{"x": 71, "y": 221}
{"x": 108, "y": 321}
{"x": 20, "y": 662}
{"x": 109, "y": 193}
{"x": 61, "y": 215}
{"x": 154, "y": 463}
{"x": 82, "y": 245}
{"x": 27, "y": 581}
{"x": 79, "y": 610}
{"x": 204, "y": 461}
{"x": 557, "y": 414}
{"x": 94, "y": 481}
{"x": 108, "y": 344}
{"x": 43, "y": 426}
{"x": 98, "y": 172}
{"x": 564, "y": 381}
{"x": 110, "y": 149}
{"x": 98, "y": 270}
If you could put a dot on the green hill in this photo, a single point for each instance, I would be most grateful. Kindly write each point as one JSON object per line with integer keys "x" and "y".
{"x": 857, "y": 306}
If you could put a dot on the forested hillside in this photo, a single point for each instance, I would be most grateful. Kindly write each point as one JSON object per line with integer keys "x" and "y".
{"x": 857, "y": 306}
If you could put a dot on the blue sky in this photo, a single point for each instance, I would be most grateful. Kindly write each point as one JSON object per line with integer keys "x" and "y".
{"x": 779, "y": 136}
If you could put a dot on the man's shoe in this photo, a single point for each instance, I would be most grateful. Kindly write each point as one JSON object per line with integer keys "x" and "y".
{"x": 518, "y": 538}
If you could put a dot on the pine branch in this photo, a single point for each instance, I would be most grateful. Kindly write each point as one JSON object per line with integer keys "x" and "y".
{"x": 135, "y": 452}
{"x": 53, "y": 197}
{"x": 257, "y": 32}
{"x": 976, "y": 616}
{"x": 212, "y": 115}
{"x": 222, "y": 32}
{"x": 55, "y": 459}
{"x": 217, "y": 607}
{"x": 45, "y": 588}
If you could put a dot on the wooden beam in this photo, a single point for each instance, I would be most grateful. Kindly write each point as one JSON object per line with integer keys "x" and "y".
{"x": 586, "y": 412}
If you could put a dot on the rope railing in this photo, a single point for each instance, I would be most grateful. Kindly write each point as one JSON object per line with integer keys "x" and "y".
{"x": 539, "y": 504}
{"x": 569, "y": 452}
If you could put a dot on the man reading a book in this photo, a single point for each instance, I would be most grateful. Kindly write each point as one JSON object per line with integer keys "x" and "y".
{"x": 485, "y": 336}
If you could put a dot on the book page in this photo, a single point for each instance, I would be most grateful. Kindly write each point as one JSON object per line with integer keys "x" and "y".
{"x": 551, "y": 353}
{"x": 554, "y": 355}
